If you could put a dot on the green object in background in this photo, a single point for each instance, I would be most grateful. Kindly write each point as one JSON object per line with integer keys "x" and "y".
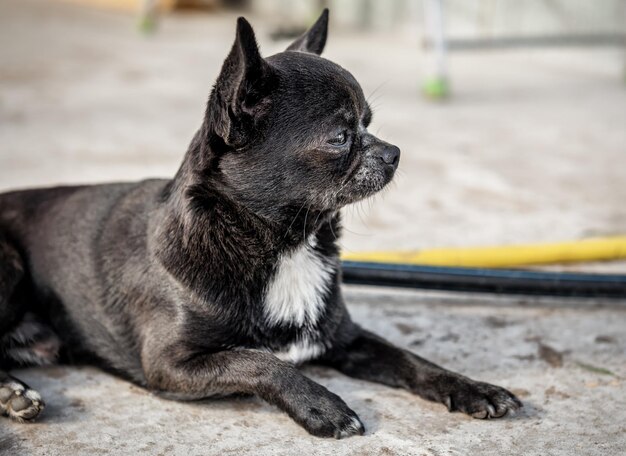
{"x": 147, "y": 24}
{"x": 436, "y": 88}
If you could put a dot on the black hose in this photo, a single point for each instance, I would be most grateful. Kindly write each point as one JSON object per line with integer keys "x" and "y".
{"x": 502, "y": 281}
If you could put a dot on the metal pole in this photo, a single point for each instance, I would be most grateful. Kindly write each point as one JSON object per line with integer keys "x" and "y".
{"x": 436, "y": 86}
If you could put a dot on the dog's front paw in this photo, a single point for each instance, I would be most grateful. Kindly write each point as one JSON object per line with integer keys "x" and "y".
{"x": 480, "y": 400}
{"x": 338, "y": 423}
{"x": 19, "y": 402}
{"x": 327, "y": 415}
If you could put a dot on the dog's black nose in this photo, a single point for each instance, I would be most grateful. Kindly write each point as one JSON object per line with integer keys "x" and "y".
{"x": 390, "y": 155}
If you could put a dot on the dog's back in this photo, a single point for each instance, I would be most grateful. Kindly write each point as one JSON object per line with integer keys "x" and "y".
{"x": 77, "y": 242}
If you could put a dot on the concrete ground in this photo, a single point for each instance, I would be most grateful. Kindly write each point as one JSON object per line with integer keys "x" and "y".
{"x": 532, "y": 147}
{"x": 566, "y": 361}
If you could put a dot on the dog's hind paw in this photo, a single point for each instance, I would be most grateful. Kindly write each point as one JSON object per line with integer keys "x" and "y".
{"x": 18, "y": 401}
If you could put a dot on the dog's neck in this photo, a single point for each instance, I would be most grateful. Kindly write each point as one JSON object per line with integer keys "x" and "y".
{"x": 222, "y": 237}
{"x": 198, "y": 188}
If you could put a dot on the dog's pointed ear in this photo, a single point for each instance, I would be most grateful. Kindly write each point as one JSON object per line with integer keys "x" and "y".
{"x": 241, "y": 96}
{"x": 314, "y": 40}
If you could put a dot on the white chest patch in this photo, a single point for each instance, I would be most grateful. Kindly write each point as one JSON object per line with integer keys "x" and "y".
{"x": 299, "y": 352}
{"x": 295, "y": 294}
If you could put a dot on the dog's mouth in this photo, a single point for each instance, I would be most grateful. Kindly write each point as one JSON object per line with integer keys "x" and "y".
{"x": 364, "y": 181}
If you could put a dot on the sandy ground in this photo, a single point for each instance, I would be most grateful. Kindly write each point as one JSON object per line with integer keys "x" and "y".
{"x": 532, "y": 147}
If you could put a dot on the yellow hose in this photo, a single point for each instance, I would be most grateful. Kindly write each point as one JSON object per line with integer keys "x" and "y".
{"x": 599, "y": 249}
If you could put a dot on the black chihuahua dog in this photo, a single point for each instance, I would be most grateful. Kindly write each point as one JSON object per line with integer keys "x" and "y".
{"x": 220, "y": 280}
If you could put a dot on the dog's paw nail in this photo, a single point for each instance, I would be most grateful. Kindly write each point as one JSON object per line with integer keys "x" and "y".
{"x": 353, "y": 427}
{"x": 447, "y": 401}
{"x": 499, "y": 412}
{"x": 481, "y": 415}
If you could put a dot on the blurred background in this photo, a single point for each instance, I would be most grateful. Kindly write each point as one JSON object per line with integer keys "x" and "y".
{"x": 511, "y": 116}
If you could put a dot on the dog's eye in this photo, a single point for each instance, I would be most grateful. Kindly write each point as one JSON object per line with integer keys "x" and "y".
{"x": 340, "y": 139}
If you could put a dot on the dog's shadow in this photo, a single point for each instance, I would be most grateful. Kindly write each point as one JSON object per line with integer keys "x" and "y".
{"x": 53, "y": 383}
{"x": 258, "y": 410}
{"x": 362, "y": 397}
{"x": 530, "y": 411}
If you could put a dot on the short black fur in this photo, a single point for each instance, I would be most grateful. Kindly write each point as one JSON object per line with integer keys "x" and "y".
{"x": 219, "y": 280}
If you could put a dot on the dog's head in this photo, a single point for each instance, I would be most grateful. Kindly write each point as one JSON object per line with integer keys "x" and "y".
{"x": 291, "y": 130}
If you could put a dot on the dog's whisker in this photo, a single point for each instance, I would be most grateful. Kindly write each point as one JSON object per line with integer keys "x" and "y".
{"x": 378, "y": 87}
{"x": 375, "y": 105}
{"x": 362, "y": 217}
{"x": 294, "y": 219}
{"x": 304, "y": 227}
{"x": 319, "y": 214}
{"x": 330, "y": 225}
